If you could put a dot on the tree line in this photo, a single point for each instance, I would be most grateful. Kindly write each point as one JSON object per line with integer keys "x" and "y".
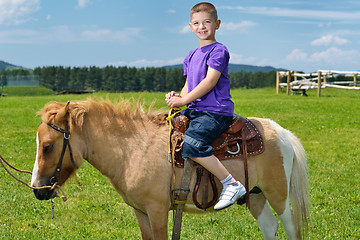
{"x": 127, "y": 79}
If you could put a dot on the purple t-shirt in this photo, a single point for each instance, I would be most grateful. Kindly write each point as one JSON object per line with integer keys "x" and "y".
{"x": 196, "y": 63}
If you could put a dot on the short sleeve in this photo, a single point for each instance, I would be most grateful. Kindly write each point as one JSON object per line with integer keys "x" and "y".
{"x": 219, "y": 59}
{"x": 186, "y": 62}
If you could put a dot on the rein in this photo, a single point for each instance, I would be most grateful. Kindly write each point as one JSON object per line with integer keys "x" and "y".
{"x": 51, "y": 187}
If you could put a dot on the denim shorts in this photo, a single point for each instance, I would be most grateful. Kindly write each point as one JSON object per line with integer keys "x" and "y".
{"x": 204, "y": 128}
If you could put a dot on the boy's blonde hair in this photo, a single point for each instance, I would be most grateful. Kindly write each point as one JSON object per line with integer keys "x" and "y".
{"x": 204, "y": 7}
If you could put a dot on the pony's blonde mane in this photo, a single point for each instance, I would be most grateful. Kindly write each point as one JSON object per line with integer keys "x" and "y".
{"x": 124, "y": 108}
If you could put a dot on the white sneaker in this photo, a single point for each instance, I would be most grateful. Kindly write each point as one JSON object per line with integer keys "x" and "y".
{"x": 230, "y": 195}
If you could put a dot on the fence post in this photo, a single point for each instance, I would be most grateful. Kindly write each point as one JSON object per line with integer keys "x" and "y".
{"x": 288, "y": 83}
{"x": 277, "y": 82}
{"x": 354, "y": 80}
{"x": 319, "y": 84}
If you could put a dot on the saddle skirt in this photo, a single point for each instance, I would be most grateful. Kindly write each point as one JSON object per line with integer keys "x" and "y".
{"x": 228, "y": 145}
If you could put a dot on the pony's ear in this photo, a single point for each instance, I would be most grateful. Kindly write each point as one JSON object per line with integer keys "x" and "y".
{"x": 63, "y": 113}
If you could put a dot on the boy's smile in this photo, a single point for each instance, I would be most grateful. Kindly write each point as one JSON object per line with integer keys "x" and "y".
{"x": 204, "y": 27}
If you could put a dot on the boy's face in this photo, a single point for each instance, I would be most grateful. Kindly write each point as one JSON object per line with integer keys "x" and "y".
{"x": 204, "y": 26}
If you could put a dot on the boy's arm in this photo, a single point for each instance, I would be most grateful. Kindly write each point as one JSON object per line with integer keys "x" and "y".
{"x": 184, "y": 90}
{"x": 205, "y": 86}
{"x": 208, "y": 83}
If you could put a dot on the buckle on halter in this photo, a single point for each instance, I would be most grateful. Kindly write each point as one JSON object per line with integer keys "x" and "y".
{"x": 66, "y": 135}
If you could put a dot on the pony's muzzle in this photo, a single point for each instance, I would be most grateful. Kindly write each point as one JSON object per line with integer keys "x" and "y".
{"x": 45, "y": 193}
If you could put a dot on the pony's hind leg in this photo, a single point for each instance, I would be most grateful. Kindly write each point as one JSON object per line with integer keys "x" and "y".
{"x": 287, "y": 221}
{"x": 261, "y": 211}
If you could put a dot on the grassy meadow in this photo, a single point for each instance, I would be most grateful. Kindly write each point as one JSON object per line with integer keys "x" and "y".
{"x": 329, "y": 129}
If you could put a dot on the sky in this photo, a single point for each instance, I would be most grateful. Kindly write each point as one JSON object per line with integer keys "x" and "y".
{"x": 293, "y": 34}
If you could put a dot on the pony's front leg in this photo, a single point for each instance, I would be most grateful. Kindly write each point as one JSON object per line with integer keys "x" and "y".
{"x": 144, "y": 224}
{"x": 158, "y": 216}
{"x": 154, "y": 223}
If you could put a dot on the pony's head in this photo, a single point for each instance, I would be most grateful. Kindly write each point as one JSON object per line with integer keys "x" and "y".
{"x": 56, "y": 142}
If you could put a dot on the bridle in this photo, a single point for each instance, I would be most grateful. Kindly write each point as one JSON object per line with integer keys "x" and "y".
{"x": 66, "y": 143}
{"x": 55, "y": 179}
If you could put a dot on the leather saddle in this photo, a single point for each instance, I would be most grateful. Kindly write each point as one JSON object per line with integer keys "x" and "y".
{"x": 241, "y": 134}
{"x": 228, "y": 145}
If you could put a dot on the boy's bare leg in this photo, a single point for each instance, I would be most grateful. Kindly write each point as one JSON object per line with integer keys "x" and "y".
{"x": 213, "y": 165}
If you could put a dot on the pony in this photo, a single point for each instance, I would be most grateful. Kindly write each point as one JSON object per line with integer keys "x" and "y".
{"x": 130, "y": 147}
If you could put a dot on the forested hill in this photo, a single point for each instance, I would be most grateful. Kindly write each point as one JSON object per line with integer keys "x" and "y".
{"x": 127, "y": 79}
{"x": 239, "y": 68}
{"x": 232, "y": 67}
{"x": 8, "y": 66}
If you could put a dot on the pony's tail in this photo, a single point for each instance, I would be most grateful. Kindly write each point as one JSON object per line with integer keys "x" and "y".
{"x": 299, "y": 189}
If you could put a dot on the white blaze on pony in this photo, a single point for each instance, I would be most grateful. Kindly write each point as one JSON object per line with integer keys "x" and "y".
{"x": 130, "y": 148}
{"x": 35, "y": 169}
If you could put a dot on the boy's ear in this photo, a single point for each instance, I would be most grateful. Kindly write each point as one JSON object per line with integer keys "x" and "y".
{"x": 191, "y": 26}
{"x": 218, "y": 22}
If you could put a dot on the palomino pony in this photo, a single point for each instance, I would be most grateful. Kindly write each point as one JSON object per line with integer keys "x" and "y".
{"x": 130, "y": 147}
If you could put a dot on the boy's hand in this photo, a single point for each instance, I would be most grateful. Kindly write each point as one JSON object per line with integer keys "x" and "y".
{"x": 174, "y": 99}
{"x": 171, "y": 94}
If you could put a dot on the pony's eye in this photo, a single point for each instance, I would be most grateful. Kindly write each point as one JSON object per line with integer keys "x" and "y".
{"x": 48, "y": 148}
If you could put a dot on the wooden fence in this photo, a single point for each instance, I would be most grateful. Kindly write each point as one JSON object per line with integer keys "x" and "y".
{"x": 301, "y": 82}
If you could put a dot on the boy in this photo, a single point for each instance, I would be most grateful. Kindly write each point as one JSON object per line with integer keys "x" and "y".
{"x": 207, "y": 95}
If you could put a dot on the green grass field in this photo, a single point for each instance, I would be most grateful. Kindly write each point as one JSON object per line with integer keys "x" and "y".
{"x": 329, "y": 129}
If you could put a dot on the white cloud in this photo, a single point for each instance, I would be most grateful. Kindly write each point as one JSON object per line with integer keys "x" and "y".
{"x": 18, "y": 36}
{"x": 146, "y": 63}
{"x": 334, "y": 55}
{"x": 241, "y": 26}
{"x": 297, "y": 55}
{"x": 179, "y": 60}
{"x": 13, "y": 12}
{"x": 331, "y": 58}
{"x": 185, "y": 29}
{"x": 83, "y": 3}
{"x": 172, "y": 11}
{"x": 298, "y": 13}
{"x": 240, "y": 59}
{"x": 65, "y": 33}
{"x": 149, "y": 63}
{"x": 127, "y": 34}
{"x": 329, "y": 39}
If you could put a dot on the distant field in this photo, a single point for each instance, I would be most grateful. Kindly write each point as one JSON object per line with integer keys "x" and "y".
{"x": 27, "y": 91}
{"x": 329, "y": 129}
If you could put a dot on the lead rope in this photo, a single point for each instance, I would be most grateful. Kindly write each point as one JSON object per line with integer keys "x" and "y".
{"x": 51, "y": 187}
{"x": 52, "y": 208}
{"x": 171, "y": 158}
{"x": 178, "y": 196}
{"x": 172, "y": 113}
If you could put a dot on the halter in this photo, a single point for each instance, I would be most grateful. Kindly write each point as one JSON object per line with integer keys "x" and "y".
{"x": 66, "y": 143}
